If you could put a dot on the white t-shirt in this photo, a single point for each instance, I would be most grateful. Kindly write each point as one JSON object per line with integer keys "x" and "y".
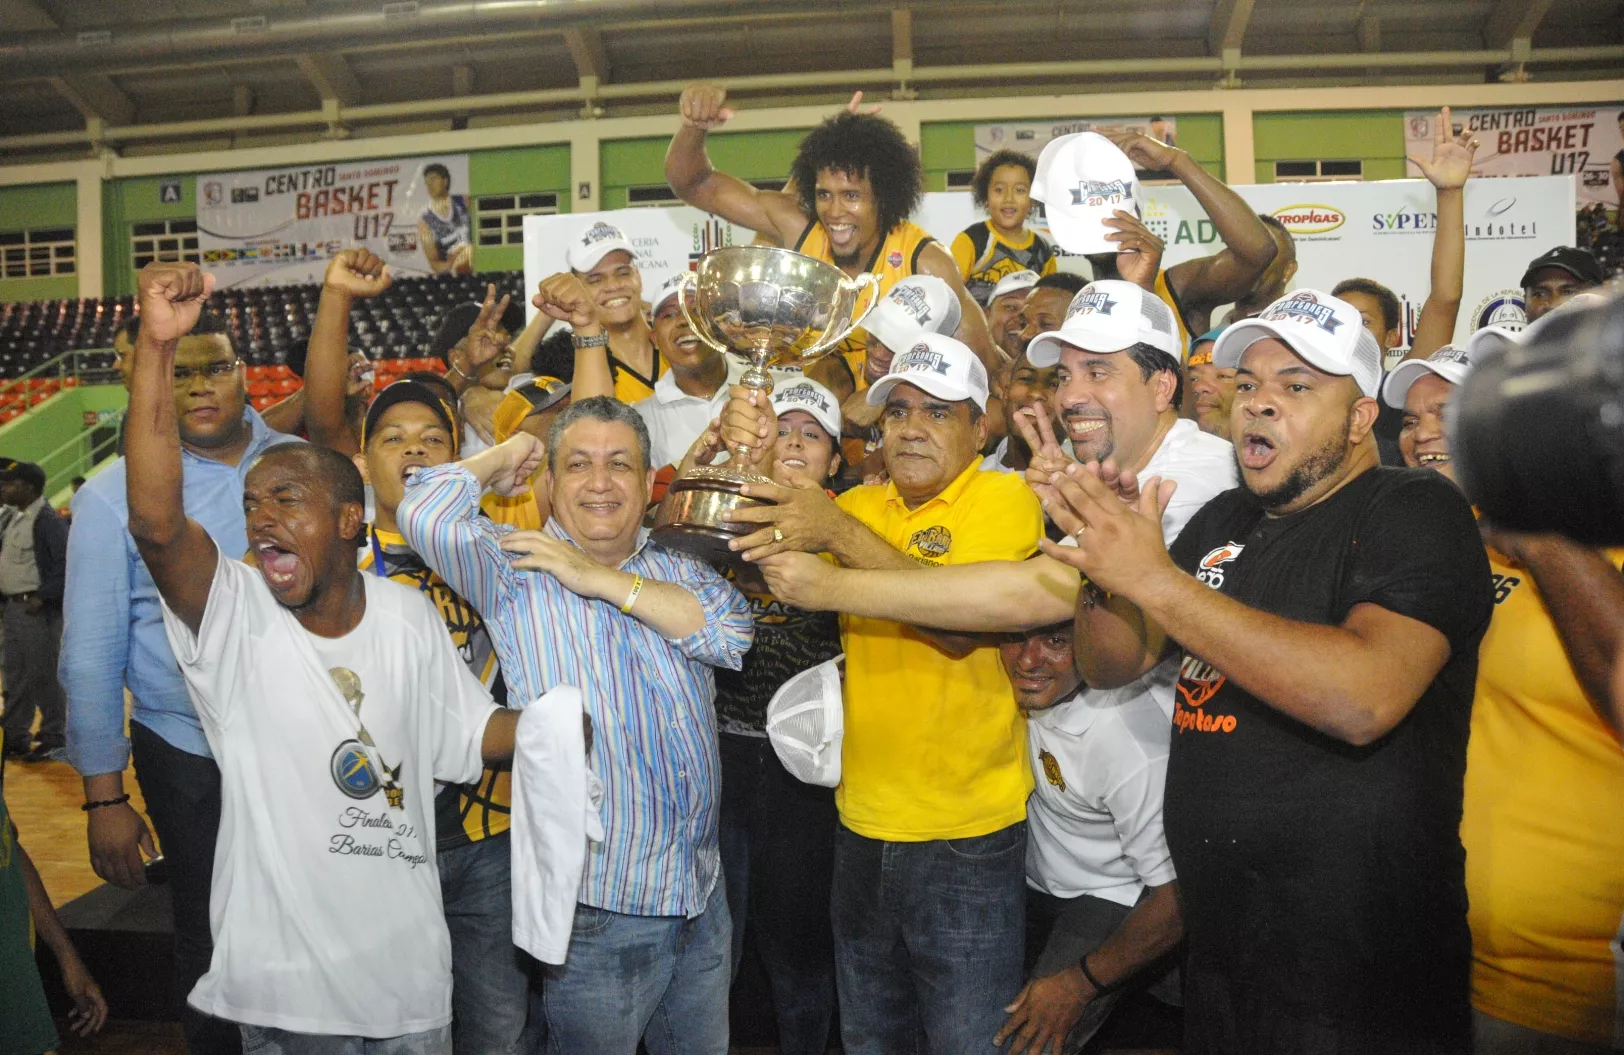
{"x": 326, "y": 908}
{"x": 675, "y": 419}
{"x": 1099, "y": 763}
{"x": 1102, "y": 833}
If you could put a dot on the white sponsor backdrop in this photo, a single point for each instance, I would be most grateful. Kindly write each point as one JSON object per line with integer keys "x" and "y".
{"x": 1030, "y": 137}
{"x": 1377, "y": 230}
{"x": 273, "y": 227}
{"x": 1577, "y": 142}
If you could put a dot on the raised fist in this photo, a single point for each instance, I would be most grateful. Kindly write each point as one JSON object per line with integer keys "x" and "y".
{"x": 704, "y": 106}
{"x": 358, "y": 273}
{"x": 171, "y": 297}
{"x": 563, "y": 296}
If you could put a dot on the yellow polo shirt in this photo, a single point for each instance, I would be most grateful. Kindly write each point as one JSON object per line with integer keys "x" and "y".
{"x": 1543, "y": 829}
{"x": 935, "y": 747}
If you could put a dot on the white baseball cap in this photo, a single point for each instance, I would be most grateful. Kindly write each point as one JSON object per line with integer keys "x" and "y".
{"x": 918, "y": 304}
{"x": 668, "y": 289}
{"x": 1108, "y": 316}
{"x": 938, "y": 364}
{"x": 1500, "y": 336}
{"x": 806, "y": 394}
{"x": 1448, "y": 362}
{"x": 1325, "y": 332}
{"x": 1081, "y": 179}
{"x": 595, "y": 243}
{"x": 806, "y": 723}
{"x": 1015, "y": 282}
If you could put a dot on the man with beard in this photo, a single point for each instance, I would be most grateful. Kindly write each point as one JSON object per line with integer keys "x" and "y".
{"x": 856, "y": 181}
{"x": 1328, "y": 612}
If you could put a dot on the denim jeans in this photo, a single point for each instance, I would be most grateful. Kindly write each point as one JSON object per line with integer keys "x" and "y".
{"x": 264, "y": 1040}
{"x": 663, "y": 979}
{"x": 182, "y": 793}
{"x": 928, "y": 940}
{"x": 489, "y": 989}
{"x": 777, "y": 839}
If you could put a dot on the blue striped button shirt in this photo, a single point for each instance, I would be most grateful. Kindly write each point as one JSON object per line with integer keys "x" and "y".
{"x": 651, "y": 700}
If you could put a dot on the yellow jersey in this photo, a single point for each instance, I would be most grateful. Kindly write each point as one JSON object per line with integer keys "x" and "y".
{"x": 935, "y": 748}
{"x": 895, "y": 259}
{"x": 1542, "y": 827}
{"x": 631, "y": 386}
{"x": 984, "y": 256}
{"x": 463, "y": 813}
{"x": 1165, "y": 292}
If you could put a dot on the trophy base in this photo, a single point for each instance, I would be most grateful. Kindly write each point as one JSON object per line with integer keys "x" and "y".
{"x": 691, "y": 517}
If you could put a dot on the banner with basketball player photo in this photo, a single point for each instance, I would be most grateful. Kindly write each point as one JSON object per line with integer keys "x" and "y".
{"x": 1381, "y": 230}
{"x": 1585, "y": 144}
{"x": 668, "y": 240}
{"x": 275, "y": 227}
{"x": 1030, "y": 137}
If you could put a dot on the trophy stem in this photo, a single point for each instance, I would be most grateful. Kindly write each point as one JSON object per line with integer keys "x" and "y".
{"x": 758, "y": 378}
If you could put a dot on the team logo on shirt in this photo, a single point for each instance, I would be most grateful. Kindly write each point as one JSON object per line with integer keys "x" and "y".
{"x": 1199, "y": 682}
{"x": 1211, "y": 569}
{"x": 1051, "y": 770}
{"x": 353, "y": 771}
{"x": 932, "y": 541}
{"x": 894, "y": 258}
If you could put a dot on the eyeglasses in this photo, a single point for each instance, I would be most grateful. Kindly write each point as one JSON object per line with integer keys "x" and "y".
{"x": 214, "y": 371}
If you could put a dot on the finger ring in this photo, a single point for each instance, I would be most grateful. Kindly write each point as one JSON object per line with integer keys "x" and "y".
{"x": 778, "y": 536}
{"x": 1078, "y": 534}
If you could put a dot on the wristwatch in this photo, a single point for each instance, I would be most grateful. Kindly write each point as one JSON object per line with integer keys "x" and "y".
{"x": 600, "y": 340}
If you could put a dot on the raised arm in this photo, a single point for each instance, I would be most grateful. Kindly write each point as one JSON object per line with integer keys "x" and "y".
{"x": 564, "y": 296}
{"x": 354, "y": 274}
{"x": 1448, "y": 171}
{"x": 689, "y": 171}
{"x": 178, "y": 552}
{"x": 1205, "y": 283}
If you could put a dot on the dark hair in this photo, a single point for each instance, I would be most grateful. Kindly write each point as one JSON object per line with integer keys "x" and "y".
{"x": 210, "y": 323}
{"x": 995, "y": 161}
{"x": 335, "y": 472}
{"x": 1151, "y": 361}
{"x": 1065, "y": 280}
{"x": 435, "y": 381}
{"x": 861, "y": 145}
{"x": 1274, "y": 222}
{"x": 130, "y": 328}
{"x": 77, "y": 481}
{"x": 1392, "y": 312}
{"x": 435, "y": 167}
{"x": 555, "y": 356}
{"x": 599, "y": 408}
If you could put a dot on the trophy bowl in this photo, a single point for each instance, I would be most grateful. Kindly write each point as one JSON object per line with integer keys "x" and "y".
{"x": 772, "y": 308}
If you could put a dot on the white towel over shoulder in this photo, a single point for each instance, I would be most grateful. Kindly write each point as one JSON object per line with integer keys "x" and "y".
{"x": 555, "y": 814}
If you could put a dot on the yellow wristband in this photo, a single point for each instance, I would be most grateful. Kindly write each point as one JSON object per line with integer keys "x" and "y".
{"x": 631, "y": 598}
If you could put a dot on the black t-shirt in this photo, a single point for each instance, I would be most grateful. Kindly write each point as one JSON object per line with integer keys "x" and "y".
{"x": 1324, "y": 882}
{"x": 788, "y": 641}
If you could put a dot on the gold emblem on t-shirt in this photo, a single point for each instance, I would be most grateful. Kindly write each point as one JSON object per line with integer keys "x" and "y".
{"x": 1051, "y": 769}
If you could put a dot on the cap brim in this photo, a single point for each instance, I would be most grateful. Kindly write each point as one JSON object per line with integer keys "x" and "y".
{"x": 1044, "y": 349}
{"x": 1397, "y": 386}
{"x": 932, "y": 383}
{"x": 587, "y": 259}
{"x": 832, "y": 427}
{"x": 1569, "y": 268}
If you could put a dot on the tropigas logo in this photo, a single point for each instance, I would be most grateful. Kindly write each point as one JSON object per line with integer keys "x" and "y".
{"x": 1051, "y": 770}
{"x": 1199, "y": 682}
{"x": 1211, "y": 569}
{"x": 932, "y": 541}
{"x": 1310, "y": 219}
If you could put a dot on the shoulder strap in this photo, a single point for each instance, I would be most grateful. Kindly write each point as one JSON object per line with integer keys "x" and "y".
{"x": 981, "y": 241}
{"x": 913, "y": 261}
{"x": 806, "y": 232}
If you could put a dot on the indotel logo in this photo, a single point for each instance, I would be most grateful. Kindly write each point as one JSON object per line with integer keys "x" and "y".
{"x": 1310, "y": 220}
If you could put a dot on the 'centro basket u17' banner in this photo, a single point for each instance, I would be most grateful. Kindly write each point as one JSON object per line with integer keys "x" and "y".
{"x": 1585, "y": 143}
{"x": 273, "y": 227}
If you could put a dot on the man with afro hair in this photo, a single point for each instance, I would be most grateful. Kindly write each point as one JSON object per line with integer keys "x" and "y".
{"x": 854, "y": 182}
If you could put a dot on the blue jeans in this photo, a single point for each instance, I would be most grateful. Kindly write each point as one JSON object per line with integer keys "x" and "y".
{"x": 928, "y": 941}
{"x": 489, "y": 989}
{"x": 264, "y": 1040}
{"x": 662, "y": 979}
{"x": 777, "y": 840}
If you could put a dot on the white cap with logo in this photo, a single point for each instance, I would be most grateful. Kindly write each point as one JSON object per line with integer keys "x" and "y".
{"x": 1109, "y": 316}
{"x": 918, "y": 304}
{"x": 1500, "y": 336}
{"x": 806, "y": 723}
{"x": 806, "y": 394}
{"x": 668, "y": 289}
{"x": 1014, "y": 282}
{"x": 937, "y": 364}
{"x": 1325, "y": 332}
{"x": 595, "y": 243}
{"x": 1448, "y": 362}
{"x": 1081, "y": 179}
